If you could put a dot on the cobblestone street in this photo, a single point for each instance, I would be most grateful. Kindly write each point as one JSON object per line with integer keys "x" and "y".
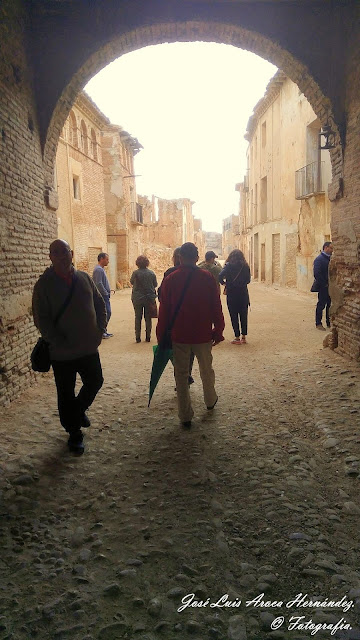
{"x": 260, "y": 496}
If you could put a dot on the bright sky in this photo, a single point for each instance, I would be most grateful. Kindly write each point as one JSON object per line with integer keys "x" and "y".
{"x": 188, "y": 104}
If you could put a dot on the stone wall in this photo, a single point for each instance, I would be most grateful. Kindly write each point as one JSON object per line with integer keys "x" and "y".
{"x": 213, "y": 242}
{"x": 345, "y": 221}
{"x": 26, "y": 227}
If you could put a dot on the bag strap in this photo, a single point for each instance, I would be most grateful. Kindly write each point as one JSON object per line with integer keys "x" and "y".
{"x": 237, "y": 275}
{"x": 181, "y": 299}
{"x": 67, "y": 301}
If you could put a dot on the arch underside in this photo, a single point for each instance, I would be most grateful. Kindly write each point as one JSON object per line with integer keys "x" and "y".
{"x": 183, "y": 32}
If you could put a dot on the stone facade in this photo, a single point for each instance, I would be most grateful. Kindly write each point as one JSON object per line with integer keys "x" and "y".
{"x": 43, "y": 67}
{"x": 213, "y": 242}
{"x": 98, "y": 207}
{"x": 167, "y": 225}
{"x": 79, "y": 181}
{"x": 284, "y": 216}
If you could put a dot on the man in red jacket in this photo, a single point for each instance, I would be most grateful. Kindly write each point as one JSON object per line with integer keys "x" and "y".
{"x": 198, "y": 326}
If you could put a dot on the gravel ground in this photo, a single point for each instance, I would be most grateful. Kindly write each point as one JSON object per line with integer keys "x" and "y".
{"x": 257, "y": 503}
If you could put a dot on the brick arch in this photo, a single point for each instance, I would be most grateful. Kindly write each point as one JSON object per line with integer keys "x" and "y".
{"x": 191, "y": 31}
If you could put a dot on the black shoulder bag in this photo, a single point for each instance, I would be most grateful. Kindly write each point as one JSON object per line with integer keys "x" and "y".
{"x": 40, "y": 355}
{"x": 166, "y": 341}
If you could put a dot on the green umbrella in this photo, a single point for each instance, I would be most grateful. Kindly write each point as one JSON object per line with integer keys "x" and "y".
{"x": 161, "y": 358}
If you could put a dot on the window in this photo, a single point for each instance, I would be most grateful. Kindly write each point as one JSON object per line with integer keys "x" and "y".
{"x": 93, "y": 145}
{"x": 76, "y": 187}
{"x": 73, "y": 129}
{"x": 84, "y": 137}
{"x": 263, "y": 135}
{"x": 263, "y": 199}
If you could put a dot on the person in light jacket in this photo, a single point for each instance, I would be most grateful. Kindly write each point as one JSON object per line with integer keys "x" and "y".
{"x": 143, "y": 281}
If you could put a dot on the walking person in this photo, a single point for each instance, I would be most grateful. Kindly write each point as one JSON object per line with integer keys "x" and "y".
{"x": 211, "y": 265}
{"x": 191, "y": 296}
{"x": 236, "y": 276}
{"x": 321, "y": 285}
{"x": 144, "y": 282}
{"x": 176, "y": 263}
{"x": 71, "y": 316}
{"x": 102, "y": 283}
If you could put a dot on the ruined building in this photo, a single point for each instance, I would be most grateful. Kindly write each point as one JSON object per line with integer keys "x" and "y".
{"x": 98, "y": 206}
{"x": 50, "y": 50}
{"x": 284, "y": 216}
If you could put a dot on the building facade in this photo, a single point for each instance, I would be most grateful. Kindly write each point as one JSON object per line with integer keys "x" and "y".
{"x": 99, "y": 209}
{"x": 124, "y": 213}
{"x": 79, "y": 181}
{"x": 284, "y": 214}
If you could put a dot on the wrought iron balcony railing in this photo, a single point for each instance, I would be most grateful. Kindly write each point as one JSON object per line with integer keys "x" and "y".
{"x": 309, "y": 181}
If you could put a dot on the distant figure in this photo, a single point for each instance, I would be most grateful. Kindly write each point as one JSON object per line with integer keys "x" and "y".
{"x": 102, "y": 283}
{"x": 321, "y": 285}
{"x": 70, "y": 315}
{"x": 143, "y": 281}
{"x": 236, "y": 276}
{"x": 198, "y": 326}
{"x": 177, "y": 262}
{"x": 211, "y": 265}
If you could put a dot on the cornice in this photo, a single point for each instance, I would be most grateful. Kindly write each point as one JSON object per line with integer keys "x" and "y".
{"x": 271, "y": 93}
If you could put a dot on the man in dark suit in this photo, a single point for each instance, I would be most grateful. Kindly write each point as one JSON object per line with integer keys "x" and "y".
{"x": 321, "y": 275}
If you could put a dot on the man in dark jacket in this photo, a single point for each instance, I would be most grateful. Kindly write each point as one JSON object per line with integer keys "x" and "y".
{"x": 73, "y": 339}
{"x": 321, "y": 275}
{"x": 198, "y": 326}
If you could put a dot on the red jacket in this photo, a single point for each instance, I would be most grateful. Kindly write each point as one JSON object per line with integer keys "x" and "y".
{"x": 200, "y": 309}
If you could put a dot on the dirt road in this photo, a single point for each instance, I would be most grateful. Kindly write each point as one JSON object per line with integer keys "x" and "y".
{"x": 261, "y": 496}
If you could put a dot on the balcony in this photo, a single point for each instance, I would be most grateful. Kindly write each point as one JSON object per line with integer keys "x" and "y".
{"x": 309, "y": 181}
{"x": 136, "y": 213}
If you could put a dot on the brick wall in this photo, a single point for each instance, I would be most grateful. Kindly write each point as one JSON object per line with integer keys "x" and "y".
{"x": 26, "y": 228}
{"x": 345, "y": 222}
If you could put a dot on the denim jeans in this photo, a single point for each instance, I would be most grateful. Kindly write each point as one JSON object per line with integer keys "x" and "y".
{"x": 238, "y": 307}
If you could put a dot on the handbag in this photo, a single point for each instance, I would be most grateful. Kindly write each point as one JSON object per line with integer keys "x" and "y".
{"x": 152, "y": 308}
{"x": 166, "y": 340}
{"x": 40, "y": 355}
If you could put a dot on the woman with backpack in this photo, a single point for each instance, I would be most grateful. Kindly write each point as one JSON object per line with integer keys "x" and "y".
{"x": 236, "y": 276}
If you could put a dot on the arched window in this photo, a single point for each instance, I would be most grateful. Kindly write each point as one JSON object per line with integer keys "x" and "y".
{"x": 73, "y": 130}
{"x": 84, "y": 137}
{"x": 64, "y": 132}
{"x": 93, "y": 145}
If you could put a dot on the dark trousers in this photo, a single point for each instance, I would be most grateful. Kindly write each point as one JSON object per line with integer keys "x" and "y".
{"x": 141, "y": 309}
{"x": 324, "y": 300}
{"x": 71, "y": 407}
{"x": 238, "y": 308}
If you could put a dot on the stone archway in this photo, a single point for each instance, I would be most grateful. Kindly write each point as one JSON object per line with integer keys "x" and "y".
{"x": 187, "y": 32}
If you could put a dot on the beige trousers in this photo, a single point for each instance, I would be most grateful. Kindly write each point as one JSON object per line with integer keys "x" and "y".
{"x": 181, "y": 366}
